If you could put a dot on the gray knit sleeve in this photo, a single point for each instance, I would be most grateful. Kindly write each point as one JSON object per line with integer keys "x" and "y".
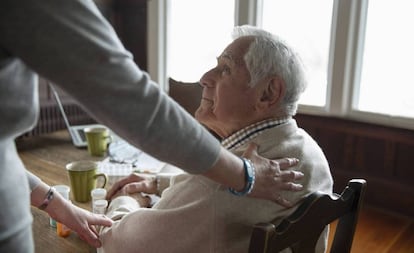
{"x": 33, "y": 180}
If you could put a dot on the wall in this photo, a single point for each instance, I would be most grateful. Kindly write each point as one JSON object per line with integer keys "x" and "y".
{"x": 384, "y": 156}
{"x": 129, "y": 19}
{"x": 50, "y": 117}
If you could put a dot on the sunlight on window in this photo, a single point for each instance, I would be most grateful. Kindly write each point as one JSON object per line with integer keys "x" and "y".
{"x": 306, "y": 26}
{"x": 387, "y": 74}
{"x": 199, "y": 31}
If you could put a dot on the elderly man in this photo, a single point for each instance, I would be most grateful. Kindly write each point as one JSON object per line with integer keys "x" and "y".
{"x": 250, "y": 96}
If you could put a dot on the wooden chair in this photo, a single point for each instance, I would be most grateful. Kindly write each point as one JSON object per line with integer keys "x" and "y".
{"x": 301, "y": 230}
{"x": 188, "y": 95}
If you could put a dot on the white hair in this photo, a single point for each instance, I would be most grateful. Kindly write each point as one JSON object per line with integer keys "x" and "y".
{"x": 268, "y": 55}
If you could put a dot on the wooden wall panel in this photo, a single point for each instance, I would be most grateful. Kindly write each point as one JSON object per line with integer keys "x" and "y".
{"x": 404, "y": 166}
{"x": 384, "y": 156}
{"x": 130, "y": 22}
{"x": 333, "y": 143}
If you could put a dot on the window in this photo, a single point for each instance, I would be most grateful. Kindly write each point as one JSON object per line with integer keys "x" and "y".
{"x": 387, "y": 71}
{"x": 194, "y": 44}
{"x": 309, "y": 34}
{"x": 357, "y": 52}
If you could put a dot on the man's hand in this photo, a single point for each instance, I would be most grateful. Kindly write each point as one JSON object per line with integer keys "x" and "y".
{"x": 134, "y": 183}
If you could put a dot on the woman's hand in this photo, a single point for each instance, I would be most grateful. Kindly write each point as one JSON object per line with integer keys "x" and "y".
{"x": 272, "y": 176}
{"x": 83, "y": 222}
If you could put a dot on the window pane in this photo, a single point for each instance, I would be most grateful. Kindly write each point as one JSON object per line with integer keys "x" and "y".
{"x": 387, "y": 73}
{"x": 198, "y": 33}
{"x": 306, "y": 26}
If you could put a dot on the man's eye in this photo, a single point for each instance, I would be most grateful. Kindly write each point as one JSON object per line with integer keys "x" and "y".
{"x": 225, "y": 70}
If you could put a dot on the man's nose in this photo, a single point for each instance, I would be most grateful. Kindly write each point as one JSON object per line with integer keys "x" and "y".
{"x": 206, "y": 80}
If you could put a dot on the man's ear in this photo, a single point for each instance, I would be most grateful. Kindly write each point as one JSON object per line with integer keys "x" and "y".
{"x": 272, "y": 92}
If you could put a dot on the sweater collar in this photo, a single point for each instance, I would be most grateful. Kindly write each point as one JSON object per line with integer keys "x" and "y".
{"x": 246, "y": 134}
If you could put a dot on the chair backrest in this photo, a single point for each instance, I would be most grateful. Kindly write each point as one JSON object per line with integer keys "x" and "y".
{"x": 301, "y": 230}
{"x": 188, "y": 95}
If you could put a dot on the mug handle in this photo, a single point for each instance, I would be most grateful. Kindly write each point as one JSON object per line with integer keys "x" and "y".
{"x": 109, "y": 138}
{"x": 105, "y": 177}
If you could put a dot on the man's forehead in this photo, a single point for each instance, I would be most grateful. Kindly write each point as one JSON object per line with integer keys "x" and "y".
{"x": 237, "y": 49}
{"x": 229, "y": 55}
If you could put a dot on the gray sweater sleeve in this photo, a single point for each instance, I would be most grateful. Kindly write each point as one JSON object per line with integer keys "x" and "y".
{"x": 71, "y": 44}
{"x": 33, "y": 180}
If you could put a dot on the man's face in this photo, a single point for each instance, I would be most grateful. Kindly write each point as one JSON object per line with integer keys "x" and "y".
{"x": 228, "y": 103}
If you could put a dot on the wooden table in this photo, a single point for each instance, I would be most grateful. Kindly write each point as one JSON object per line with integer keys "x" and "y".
{"x": 46, "y": 157}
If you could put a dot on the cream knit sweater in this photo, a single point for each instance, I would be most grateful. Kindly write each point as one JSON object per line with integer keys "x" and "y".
{"x": 198, "y": 215}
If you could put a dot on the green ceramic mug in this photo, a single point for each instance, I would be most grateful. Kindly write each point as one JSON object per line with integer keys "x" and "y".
{"x": 83, "y": 178}
{"x": 98, "y": 139}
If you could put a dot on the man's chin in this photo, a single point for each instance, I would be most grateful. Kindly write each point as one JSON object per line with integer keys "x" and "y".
{"x": 203, "y": 117}
{"x": 202, "y": 113}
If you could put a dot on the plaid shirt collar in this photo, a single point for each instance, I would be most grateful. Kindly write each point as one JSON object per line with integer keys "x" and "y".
{"x": 246, "y": 134}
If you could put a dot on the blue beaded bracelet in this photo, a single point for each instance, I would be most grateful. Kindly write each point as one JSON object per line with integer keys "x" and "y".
{"x": 250, "y": 174}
